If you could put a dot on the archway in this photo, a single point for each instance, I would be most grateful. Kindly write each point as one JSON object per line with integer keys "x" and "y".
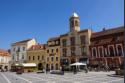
{"x": 113, "y": 64}
{"x": 39, "y": 66}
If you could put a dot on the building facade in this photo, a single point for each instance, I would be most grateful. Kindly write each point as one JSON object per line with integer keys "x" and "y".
{"x": 74, "y": 46}
{"x": 107, "y": 48}
{"x": 36, "y": 54}
{"x": 19, "y": 49}
{"x": 52, "y": 57}
{"x": 4, "y": 59}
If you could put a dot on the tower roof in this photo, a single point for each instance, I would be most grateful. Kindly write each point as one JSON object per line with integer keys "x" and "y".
{"x": 74, "y": 15}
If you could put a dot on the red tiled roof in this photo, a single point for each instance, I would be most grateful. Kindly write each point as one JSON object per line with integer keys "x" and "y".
{"x": 37, "y": 47}
{"x": 107, "y": 41}
{"x": 53, "y": 38}
{"x": 23, "y": 41}
{"x": 4, "y": 51}
{"x": 107, "y": 32}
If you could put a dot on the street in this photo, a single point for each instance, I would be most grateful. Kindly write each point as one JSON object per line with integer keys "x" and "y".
{"x": 91, "y": 77}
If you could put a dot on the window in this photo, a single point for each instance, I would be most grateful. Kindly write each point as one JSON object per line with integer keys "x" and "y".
{"x": 32, "y": 47}
{"x": 47, "y": 50}
{"x": 42, "y": 57}
{"x": 23, "y": 48}
{"x": 64, "y": 51}
{"x": 72, "y": 23}
{"x": 101, "y": 63}
{"x": 56, "y": 49}
{"x": 38, "y": 57}
{"x": 76, "y": 23}
{"x": 33, "y": 57}
{"x": 119, "y": 50}
{"x": 41, "y": 47}
{"x": 73, "y": 40}
{"x": 100, "y": 51}
{"x": 64, "y": 42}
{"x": 83, "y": 49}
{"x": 22, "y": 56}
{"x": 52, "y": 43}
{"x": 115, "y": 38}
{"x": 56, "y": 58}
{"x": 52, "y": 50}
{"x": 29, "y": 58}
{"x": 47, "y": 59}
{"x": 94, "y": 53}
{"x": 13, "y": 57}
{"x": 73, "y": 51}
{"x": 56, "y": 42}
{"x": 18, "y": 49}
{"x": 51, "y": 58}
{"x": 82, "y": 39}
{"x": 17, "y": 57}
{"x": 13, "y": 49}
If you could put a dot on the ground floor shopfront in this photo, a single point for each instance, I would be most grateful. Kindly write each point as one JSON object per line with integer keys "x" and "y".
{"x": 66, "y": 61}
{"x": 112, "y": 62}
{"x": 4, "y": 66}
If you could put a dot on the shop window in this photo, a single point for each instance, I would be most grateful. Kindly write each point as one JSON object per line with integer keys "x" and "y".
{"x": 101, "y": 63}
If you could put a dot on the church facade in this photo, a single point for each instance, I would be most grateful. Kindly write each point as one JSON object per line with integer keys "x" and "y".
{"x": 74, "y": 45}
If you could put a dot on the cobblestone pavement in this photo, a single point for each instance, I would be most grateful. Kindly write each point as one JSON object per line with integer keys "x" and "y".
{"x": 91, "y": 77}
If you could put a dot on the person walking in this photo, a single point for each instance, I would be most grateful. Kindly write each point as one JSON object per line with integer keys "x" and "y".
{"x": 74, "y": 70}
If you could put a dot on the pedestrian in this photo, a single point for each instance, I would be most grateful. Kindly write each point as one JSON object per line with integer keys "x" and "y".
{"x": 62, "y": 70}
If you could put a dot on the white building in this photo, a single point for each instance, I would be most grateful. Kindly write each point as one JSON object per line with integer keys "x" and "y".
{"x": 19, "y": 49}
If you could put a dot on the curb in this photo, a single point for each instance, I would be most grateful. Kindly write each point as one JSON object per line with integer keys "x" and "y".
{"x": 114, "y": 75}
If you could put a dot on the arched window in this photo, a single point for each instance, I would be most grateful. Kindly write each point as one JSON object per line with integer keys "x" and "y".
{"x": 82, "y": 39}
{"x": 100, "y": 51}
{"x": 72, "y": 40}
{"x": 76, "y": 23}
{"x": 72, "y": 23}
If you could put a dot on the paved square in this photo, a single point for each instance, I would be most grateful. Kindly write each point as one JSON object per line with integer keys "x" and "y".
{"x": 91, "y": 77}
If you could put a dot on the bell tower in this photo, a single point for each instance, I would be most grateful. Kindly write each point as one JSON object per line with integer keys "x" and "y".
{"x": 74, "y": 22}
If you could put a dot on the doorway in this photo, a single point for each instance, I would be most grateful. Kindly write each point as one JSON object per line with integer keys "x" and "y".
{"x": 113, "y": 64}
{"x": 39, "y": 66}
{"x": 51, "y": 66}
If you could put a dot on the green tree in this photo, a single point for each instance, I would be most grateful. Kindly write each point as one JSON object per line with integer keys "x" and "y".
{"x": 42, "y": 67}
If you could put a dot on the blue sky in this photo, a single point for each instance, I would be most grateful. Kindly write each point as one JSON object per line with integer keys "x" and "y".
{"x": 42, "y": 19}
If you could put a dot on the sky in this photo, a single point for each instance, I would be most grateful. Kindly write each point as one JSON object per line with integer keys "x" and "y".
{"x": 43, "y": 19}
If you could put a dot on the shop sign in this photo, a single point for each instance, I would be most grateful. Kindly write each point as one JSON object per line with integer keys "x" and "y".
{"x": 51, "y": 54}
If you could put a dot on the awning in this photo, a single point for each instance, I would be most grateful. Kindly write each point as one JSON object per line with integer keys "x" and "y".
{"x": 29, "y": 64}
{"x": 77, "y": 63}
{"x": 14, "y": 64}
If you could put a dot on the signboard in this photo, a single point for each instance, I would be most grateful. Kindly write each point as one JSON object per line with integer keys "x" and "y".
{"x": 51, "y": 54}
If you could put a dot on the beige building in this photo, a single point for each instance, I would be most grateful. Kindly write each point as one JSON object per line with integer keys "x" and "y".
{"x": 19, "y": 50}
{"x": 74, "y": 45}
{"x": 4, "y": 59}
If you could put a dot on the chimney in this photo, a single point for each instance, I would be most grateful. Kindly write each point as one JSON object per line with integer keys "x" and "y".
{"x": 104, "y": 29}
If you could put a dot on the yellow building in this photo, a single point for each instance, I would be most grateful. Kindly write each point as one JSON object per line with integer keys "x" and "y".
{"x": 52, "y": 57}
{"x": 36, "y": 54}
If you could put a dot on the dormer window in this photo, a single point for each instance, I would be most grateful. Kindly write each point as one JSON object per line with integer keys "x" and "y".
{"x": 41, "y": 47}
{"x": 52, "y": 43}
{"x": 99, "y": 41}
{"x": 6, "y": 53}
{"x": 32, "y": 47}
{"x": 115, "y": 38}
{"x": 56, "y": 42}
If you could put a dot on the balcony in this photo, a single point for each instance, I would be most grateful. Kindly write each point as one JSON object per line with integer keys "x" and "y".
{"x": 116, "y": 55}
{"x": 18, "y": 51}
